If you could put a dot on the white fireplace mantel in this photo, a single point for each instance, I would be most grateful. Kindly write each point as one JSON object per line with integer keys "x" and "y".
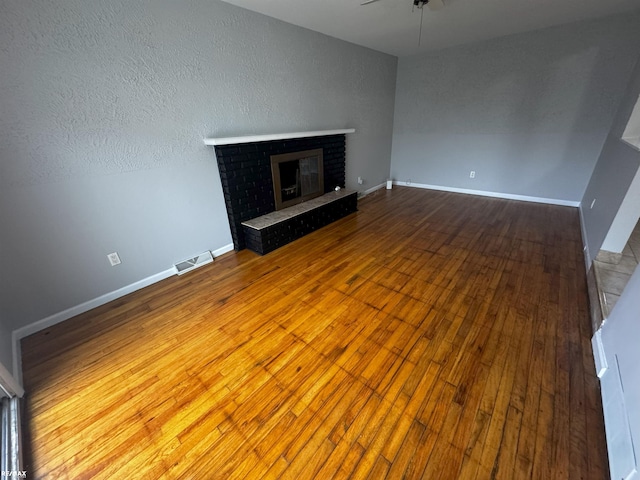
{"x": 274, "y": 136}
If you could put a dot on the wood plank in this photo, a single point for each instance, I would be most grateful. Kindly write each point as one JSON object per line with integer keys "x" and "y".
{"x": 430, "y": 335}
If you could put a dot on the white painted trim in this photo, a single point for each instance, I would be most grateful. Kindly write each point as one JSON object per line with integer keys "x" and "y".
{"x": 222, "y": 250}
{"x": 585, "y": 242}
{"x": 599, "y": 357}
{"x": 56, "y": 318}
{"x": 506, "y": 196}
{"x": 17, "y": 357}
{"x": 274, "y": 136}
{"x": 631, "y": 134}
{"x": 633, "y": 142}
{"x": 373, "y": 189}
{"x": 86, "y": 306}
{"x": 622, "y": 460}
{"x": 9, "y": 384}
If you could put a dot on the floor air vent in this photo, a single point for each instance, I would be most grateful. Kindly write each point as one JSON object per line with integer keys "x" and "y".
{"x": 193, "y": 263}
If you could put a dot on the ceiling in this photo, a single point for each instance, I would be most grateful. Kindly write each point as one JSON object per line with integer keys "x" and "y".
{"x": 393, "y": 26}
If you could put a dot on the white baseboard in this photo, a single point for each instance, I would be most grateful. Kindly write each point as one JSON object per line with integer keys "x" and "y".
{"x": 17, "y": 358}
{"x": 373, "y": 189}
{"x": 506, "y": 196}
{"x": 222, "y": 250}
{"x": 599, "y": 357}
{"x": 86, "y": 306}
{"x": 56, "y": 318}
{"x": 585, "y": 242}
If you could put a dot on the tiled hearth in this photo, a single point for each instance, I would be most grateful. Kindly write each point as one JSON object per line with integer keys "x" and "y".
{"x": 614, "y": 271}
{"x": 274, "y": 230}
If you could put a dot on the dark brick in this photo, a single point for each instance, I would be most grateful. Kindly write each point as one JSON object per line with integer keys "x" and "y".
{"x": 245, "y": 173}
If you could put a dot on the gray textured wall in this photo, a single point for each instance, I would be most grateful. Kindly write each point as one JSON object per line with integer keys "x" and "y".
{"x": 617, "y": 164}
{"x": 529, "y": 113}
{"x": 103, "y": 108}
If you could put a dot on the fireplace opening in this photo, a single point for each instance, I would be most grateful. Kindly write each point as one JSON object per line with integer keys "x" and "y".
{"x": 297, "y": 176}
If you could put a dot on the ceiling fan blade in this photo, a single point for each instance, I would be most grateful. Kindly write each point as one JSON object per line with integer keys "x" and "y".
{"x": 435, "y": 4}
{"x": 367, "y": 2}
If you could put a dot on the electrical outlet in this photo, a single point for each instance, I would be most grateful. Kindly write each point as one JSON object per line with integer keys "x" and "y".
{"x": 360, "y": 181}
{"x": 472, "y": 174}
{"x": 114, "y": 259}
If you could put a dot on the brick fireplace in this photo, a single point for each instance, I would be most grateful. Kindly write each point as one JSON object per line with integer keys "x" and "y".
{"x": 245, "y": 165}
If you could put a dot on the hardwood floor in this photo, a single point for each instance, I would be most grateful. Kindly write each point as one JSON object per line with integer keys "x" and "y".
{"x": 430, "y": 335}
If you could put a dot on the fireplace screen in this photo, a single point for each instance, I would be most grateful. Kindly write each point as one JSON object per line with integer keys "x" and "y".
{"x": 297, "y": 177}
